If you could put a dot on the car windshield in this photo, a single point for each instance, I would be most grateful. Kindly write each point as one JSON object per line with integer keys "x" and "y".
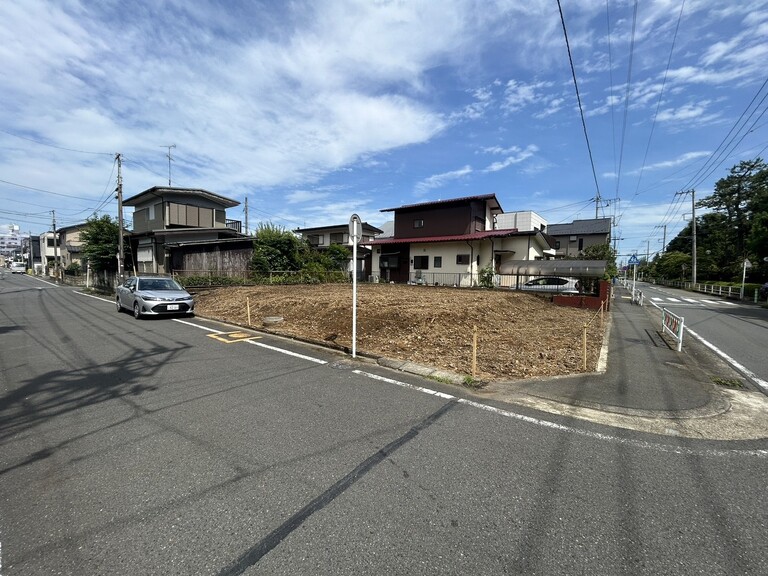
{"x": 158, "y": 284}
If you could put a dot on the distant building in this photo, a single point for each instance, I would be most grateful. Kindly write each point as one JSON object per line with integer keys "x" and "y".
{"x": 571, "y": 239}
{"x": 320, "y": 238}
{"x": 11, "y": 240}
{"x": 186, "y": 229}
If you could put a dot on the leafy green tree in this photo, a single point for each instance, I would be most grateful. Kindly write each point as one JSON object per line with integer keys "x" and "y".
{"x": 672, "y": 266}
{"x": 601, "y": 252}
{"x": 338, "y": 257}
{"x": 275, "y": 248}
{"x": 734, "y": 228}
{"x": 101, "y": 239}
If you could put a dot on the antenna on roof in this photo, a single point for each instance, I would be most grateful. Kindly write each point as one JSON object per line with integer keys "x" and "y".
{"x": 169, "y": 161}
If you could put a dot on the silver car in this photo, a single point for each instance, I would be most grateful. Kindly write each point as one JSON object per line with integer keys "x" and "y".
{"x": 153, "y": 296}
{"x": 553, "y": 284}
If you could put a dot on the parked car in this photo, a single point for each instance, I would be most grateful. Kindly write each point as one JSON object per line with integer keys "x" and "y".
{"x": 18, "y": 268}
{"x": 553, "y": 284}
{"x": 153, "y": 296}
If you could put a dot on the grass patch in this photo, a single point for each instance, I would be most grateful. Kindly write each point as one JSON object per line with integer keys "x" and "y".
{"x": 728, "y": 382}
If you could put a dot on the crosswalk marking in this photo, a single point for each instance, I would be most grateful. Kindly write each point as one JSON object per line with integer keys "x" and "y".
{"x": 687, "y": 301}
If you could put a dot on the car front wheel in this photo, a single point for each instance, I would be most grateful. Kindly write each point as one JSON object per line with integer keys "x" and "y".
{"x": 136, "y": 310}
{"x": 119, "y": 308}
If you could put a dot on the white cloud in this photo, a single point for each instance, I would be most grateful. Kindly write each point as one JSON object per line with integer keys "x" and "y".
{"x": 683, "y": 159}
{"x": 440, "y": 180}
{"x": 519, "y": 95}
{"x": 514, "y": 155}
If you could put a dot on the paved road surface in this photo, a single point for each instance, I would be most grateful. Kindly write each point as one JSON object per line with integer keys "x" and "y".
{"x": 186, "y": 447}
{"x": 739, "y": 330}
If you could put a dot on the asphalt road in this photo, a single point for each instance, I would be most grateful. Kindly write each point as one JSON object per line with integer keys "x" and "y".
{"x": 186, "y": 447}
{"x": 738, "y": 329}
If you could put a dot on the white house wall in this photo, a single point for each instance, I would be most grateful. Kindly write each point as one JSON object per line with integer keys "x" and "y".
{"x": 481, "y": 254}
{"x": 524, "y": 221}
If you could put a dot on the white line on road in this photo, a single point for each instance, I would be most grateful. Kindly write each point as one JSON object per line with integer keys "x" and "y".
{"x": 563, "y": 428}
{"x": 732, "y": 361}
{"x": 514, "y": 415}
{"x": 738, "y": 365}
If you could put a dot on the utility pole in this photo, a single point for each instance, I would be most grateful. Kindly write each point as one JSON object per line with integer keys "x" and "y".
{"x": 169, "y": 161}
{"x": 119, "y": 196}
{"x": 693, "y": 232}
{"x": 55, "y": 248}
{"x": 693, "y": 225}
{"x": 246, "y": 215}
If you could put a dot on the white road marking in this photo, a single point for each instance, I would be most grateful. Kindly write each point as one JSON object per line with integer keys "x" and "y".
{"x": 521, "y": 417}
{"x": 563, "y": 428}
{"x": 740, "y": 367}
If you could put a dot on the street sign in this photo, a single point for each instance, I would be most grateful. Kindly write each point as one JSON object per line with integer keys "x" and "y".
{"x": 633, "y": 261}
{"x": 355, "y": 228}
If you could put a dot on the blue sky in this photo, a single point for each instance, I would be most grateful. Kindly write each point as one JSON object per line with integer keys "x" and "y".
{"x": 317, "y": 110}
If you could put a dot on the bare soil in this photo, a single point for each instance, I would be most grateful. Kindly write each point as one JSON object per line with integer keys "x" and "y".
{"x": 519, "y": 335}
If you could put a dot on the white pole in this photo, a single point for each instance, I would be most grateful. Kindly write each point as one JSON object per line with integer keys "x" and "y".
{"x": 743, "y": 279}
{"x": 354, "y": 289}
{"x": 634, "y": 278}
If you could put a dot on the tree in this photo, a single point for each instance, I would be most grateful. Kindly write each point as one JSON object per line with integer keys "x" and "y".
{"x": 672, "y": 265}
{"x": 601, "y": 252}
{"x": 101, "y": 239}
{"x": 735, "y": 228}
{"x": 338, "y": 257}
{"x": 275, "y": 248}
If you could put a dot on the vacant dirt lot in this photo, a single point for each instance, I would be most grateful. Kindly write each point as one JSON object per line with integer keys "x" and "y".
{"x": 519, "y": 335}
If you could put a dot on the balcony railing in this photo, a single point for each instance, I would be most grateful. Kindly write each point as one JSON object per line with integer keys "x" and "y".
{"x": 236, "y": 225}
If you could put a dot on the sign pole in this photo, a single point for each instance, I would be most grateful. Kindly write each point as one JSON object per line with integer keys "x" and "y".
{"x": 354, "y": 236}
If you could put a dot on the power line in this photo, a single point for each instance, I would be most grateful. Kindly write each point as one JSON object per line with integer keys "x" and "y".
{"x": 581, "y": 108}
{"x": 44, "y": 191}
{"x": 54, "y": 146}
{"x": 626, "y": 98}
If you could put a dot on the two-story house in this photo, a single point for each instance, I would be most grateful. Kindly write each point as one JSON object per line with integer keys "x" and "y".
{"x": 320, "y": 238}
{"x": 448, "y": 242}
{"x": 172, "y": 226}
{"x": 571, "y": 239}
{"x": 70, "y": 245}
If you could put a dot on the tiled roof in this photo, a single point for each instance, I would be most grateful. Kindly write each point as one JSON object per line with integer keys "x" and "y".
{"x": 448, "y": 201}
{"x": 158, "y": 191}
{"x": 454, "y": 238}
{"x": 592, "y": 226}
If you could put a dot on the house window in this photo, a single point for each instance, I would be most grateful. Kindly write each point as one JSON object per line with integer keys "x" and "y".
{"x": 339, "y": 238}
{"x": 421, "y": 262}
{"x": 557, "y": 245}
{"x": 315, "y": 239}
{"x": 438, "y": 261}
{"x": 462, "y": 259}
{"x": 418, "y": 223}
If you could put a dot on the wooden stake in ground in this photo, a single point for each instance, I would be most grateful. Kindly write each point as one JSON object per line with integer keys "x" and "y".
{"x": 474, "y": 351}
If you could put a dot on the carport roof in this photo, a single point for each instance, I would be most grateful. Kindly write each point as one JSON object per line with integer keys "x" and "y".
{"x": 589, "y": 268}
